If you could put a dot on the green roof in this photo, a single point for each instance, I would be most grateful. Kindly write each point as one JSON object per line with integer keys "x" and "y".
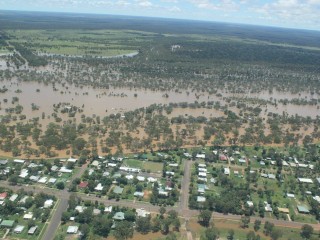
{"x": 7, "y": 223}
{"x": 303, "y": 209}
{"x": 118, "y": 190}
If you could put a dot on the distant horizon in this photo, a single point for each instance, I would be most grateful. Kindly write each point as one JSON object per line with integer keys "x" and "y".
{"x": 290, "y": 14}
{"x": 161, "y": 18}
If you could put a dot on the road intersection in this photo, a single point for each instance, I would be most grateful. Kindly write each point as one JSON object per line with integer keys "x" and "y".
{"x": 181, "y": 207}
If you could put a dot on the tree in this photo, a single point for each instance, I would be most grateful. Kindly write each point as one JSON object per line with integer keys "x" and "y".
{"x": 251, "y": 235}
{"x": 257, "y": 224}
{"x": 210, "y": 234}
{"x": 276, "y": 234}
{"x": 245, "y": 220}
{"x": 123, "y": 230}
{"x": 268, "y": 227}
{"x": 306, "y": 231}
{"x": 60, "y": 185}
{"x": 162, "y": 211}
{"x": 204, "y": 217}
{"x": 102, "y": 225}
{"x": 230, "y": 234}
{"x": 143, "y": 225}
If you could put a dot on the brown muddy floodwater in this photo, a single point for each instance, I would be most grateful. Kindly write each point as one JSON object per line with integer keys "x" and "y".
{"x": 102, "y": 102}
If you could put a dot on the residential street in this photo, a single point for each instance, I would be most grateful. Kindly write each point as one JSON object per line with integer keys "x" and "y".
{"x": 181, "y": 208}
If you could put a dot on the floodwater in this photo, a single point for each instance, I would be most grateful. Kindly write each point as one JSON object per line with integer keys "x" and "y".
{"x": 102, "y": 102}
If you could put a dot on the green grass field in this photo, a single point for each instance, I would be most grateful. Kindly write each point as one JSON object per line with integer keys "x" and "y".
{"x": 148, "y": 166}
{"x": 104, "y": 43}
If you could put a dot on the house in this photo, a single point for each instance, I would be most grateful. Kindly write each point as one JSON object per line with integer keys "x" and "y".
{"x": 169, "y": 173}
{"x": 202, "y": 188}
{"x": 35, "y": 178}
{"x": 267, "y": 207}
{"x": 223, "y": 157}
{"x": 54, "y": 168}
{"x": 318, "y": 179}
{"x": 188, "y": 155}
{"x": 106, "y": 174}
{"x": 202, "y": 169}
{"x": 13, "y": 197}
{"x": 52, "y": 180}
{"x": 130, "y": 177}
{"x": 7, "y": 223}
{"x": 91, "y": 171}
{"x": 112, "y": 164}
{"x": 173, "y": 165}
{"x": 28, "y": 216}
{"x": 32, "y": 230}
{"x": 227, "y": 171}
{"x": 65, "y": 170}
{"x": 201, "y": 156}
{"x": 302, "y": 209}
{"x": 72, "y": 160}
{"x": 151, "y": 179}
{"x": 118, "y": 190}
{"x": 163, "y": 193}
{"x": 212, "y": 180}
{"x": 43, "y": 180}
{"x": 138, "y": 194}
{"x": 108, "y": 209}
{"x": 141, "y": 178}
{"x": 96, "y": 211}
{"x": 250, "y": 204}
{"x": 317, "y": 198}
{"x": 202, "y": 174}
{"x": 290, "y": 195}
{"x": 95, "y": 163}
{"x": 119, "y": 216}
{"x": 33, "y": 165}
{"x": 48, "y": 203}
{"x": 271, "y": 176}
{"x": 18, "y": 229}
{"x": 24, "y": 173}
{"x": 80, "y": 209}
{"x": 3, "y": 162}
{"x": 142, "y": 213}
{"x": 3, "y": 195}
{"x": 99, "y": 187}
{"x": 23, "y": 200}
{"x": 242, "y": 160}
{"x": 72, "y": 229}
{"x": 201, "y": 165}
{"x": 305, "y": 180}
{"x": 83, "y": 185}
{"x": 19, "y": 161}
{"x": 201, "y": 199}
{"x": 202, "y": 179}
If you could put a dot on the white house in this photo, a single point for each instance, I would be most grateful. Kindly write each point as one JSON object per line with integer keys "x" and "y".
{"x": 48, "y": 203}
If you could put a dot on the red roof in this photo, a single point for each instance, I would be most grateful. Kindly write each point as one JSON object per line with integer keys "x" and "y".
{"x": 3, "y": 195}
{"x": 223, "y": 157}
{"x": 83, "y": 185}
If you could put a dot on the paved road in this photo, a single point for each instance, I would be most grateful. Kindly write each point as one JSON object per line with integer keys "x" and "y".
{"x": 185, "y": 186}
{"x": 55, "y": 220}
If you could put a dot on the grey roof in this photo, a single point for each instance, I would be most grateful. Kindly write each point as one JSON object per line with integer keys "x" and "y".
{"x": 119, "y": 216}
